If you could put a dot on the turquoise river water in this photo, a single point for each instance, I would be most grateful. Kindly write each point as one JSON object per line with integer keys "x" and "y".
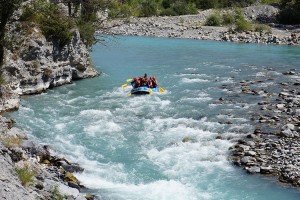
{"x": 131, "y": 146}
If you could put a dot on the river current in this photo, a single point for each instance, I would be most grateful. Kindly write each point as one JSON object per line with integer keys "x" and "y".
{"x": 161, "y": 146}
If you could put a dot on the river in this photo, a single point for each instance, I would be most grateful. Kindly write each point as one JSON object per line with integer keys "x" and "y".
{"x": 161, "y": 146}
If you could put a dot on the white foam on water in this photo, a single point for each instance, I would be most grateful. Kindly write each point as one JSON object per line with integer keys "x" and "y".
{"x": 191, "y": 69}
{"x": 93, "y": 113}
{"x": 195, "y": 99}
{"x": 75, "y": 100}
{"x": 102, "y": 126}
{"x": 60, "y": 126}
{"x": 192, "y": 75}
{"x": 193, "y": 80}
{"x": 222, "y": 66}
{"x": 226, "y": 80}
{"x": 157, "y": 190}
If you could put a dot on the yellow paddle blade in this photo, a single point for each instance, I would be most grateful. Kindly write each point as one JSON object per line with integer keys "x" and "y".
{"x": 124, "y": 85}
{"x": 161, "y": 89}
{"x": 129, "y": 94}
{"x": 129, "y": 80}
{"x": 150, "y": 92}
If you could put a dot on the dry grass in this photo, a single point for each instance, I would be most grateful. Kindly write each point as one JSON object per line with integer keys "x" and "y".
{"x": 10, "y": 141}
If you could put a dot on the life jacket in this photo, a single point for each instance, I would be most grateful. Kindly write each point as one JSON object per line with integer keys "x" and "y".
{"x": 154, "y": 82}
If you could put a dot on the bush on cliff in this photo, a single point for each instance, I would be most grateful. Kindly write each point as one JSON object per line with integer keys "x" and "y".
{"x": 53, "y": 24}
{"x": 56, "y": 26}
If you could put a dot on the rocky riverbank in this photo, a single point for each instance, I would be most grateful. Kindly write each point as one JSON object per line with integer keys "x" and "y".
{"x": 31, "y": 171}
{"x": 192, "y": 27}
{"x": 274, "y": 146}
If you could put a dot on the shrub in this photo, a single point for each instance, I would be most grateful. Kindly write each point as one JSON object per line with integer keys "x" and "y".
{"x": 87, "y": 31}
{"x": 168, "y": 12}
{"x": 183, "y": 8}
{"x": 270, "y": 1}
{"x": 57, "y": 29}
{"x": 262, "y": 28}
{"x": 55, "y": 194}
{"x": 243, "y": 25}
{"x": 213, "y": 20}
{"x": 117, "y": 9}
{"x": 228, "y": 18}
{"x": 25, "y": 174}
{"x": 53, "y": 24}
{"x": 10, "y": 141}
{"x": 149, "y": 8}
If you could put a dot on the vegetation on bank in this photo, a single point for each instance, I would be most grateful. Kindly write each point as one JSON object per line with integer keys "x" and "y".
{"x": 290, "y": 9}
{"x": 57, "y": 26}
{"x": 235, "y": 20}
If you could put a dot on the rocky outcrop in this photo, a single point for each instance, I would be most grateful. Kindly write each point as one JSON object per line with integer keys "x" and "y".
{"x": 52, "y": 176}
{"x": 32, "y": 64}
{"x": 42, "y": 64}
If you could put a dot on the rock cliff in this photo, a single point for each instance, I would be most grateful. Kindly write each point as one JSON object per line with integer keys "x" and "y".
{"x": 32, "y": 64}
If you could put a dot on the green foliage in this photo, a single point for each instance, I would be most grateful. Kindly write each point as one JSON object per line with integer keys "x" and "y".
{"x": 207, "y": 4}
{"x": 168, "y": 12}
{"x": 87, "y": 31}
{"x": 262, "y": 28}
{"x": 53, "y": 24}
{"x": 213, "y": 20}
{"x": 228, "y": 18}
{"x": 58, "y": 29}
{"x": 243, "y": 25}
{"x": 25, "y": 174}
{"x": 270, "y": 1}
{"x": 149, "y": 8}
{"x": 55, "y": 194}
{"x": 117, "y": 9}
{"x": 183, "y": 8}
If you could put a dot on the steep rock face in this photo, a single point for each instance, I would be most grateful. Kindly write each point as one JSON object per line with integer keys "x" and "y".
{"x": 32, "y": 64}
{"x": 42, "y": 64}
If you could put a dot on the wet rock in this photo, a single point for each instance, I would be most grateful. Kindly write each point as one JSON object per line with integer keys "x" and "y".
{"x": 186, "y": 139}
{"x": 250, "y": 153}
{"x": 263, "y": 102}
{"x": 266, "y": 170}
{"x": 287, "y": 133}
{"x": 71, "y": 167}
{"x": 289, "y": 73}
{"x": 74, "y": 185}
{"x": 253, "y": 170}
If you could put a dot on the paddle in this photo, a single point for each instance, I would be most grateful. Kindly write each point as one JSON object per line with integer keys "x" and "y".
{"x": 124, "y": 85}
{"x": 129, "y": 80}
{"x": 161, "y": 89}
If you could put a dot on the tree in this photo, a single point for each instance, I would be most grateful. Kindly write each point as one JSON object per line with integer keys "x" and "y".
{"x": 7, "y": 9}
